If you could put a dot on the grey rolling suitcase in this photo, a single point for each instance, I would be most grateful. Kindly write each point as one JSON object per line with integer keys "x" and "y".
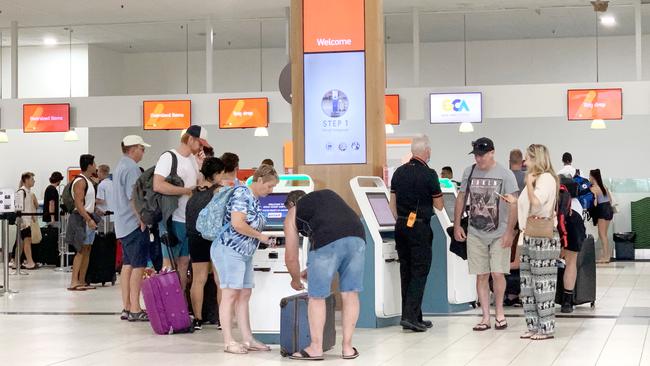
{"x": 294, "y": 325}
{"x": 585, "y": 291}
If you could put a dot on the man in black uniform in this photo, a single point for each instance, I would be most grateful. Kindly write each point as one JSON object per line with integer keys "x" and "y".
{"x": 414, "y": 188}
{"x": 337, "y": 244}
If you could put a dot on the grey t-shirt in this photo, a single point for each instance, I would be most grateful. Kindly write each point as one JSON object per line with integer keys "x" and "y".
{"x": 520, "y": 175}
{"x": 488, "y": 218}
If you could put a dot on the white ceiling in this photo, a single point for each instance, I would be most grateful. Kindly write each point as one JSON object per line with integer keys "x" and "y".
{"x": 174, "y": 25}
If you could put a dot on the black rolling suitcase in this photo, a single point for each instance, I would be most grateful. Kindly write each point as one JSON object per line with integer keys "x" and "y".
{"x": 585, "y": 289}
{"x": 48, "y": 250}
{"x": 101, "y": 265}
{"x": 294, "y": 324}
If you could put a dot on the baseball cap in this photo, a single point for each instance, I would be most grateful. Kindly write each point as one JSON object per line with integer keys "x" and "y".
{"x": 482, "y": 146}
{"x": 199, "y": 133}
{"x": 132, "y": 140}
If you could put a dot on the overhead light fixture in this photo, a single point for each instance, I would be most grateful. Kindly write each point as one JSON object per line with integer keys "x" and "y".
{"x": 71, "y": 136}
{"x": 608, "y": 20}
{"x": 598, "y": 124}
{"x": 466, "y": 127}
{"x": 390, "y": 129}
{"x": 50, "y": 41}
{"x": 261, "y": 132}
{"x": 4, "y": 138}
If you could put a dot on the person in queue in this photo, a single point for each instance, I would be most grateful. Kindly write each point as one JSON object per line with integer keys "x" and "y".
{"x": 603, "y": 212}
{"x": 232, "y": 256}
{"x": 517, "y": 167}
{"x": 51, "y": 212}
{"x": 338, "y": 246}
{"x": 30, "y": 204}
{"x": 231, "y": 168}
{"x": 415, "y": 190}
{"x": 539, "y": 255}
{"x": 491, "y": 227}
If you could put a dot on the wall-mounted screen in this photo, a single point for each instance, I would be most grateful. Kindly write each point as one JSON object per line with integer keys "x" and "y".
{"x": 381, "y": 209}
{"x": 243, "y": 113}
{"x": 166, "y": 114}
{"x": 46, "y": 117}
{"x": 392, "y": 109}
{"x": 335, "y": 108}
{"x": 272, "y": 207}
{"x": 456, "y": 107}
{"x": 590, "y": 104}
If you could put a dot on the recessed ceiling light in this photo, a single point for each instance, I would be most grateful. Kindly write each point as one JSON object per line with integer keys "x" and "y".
{"x": 608, "y": 20}
{"x": 49, "y": 41}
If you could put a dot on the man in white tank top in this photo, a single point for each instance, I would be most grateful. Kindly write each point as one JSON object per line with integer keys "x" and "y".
{"x": 81, "y": 227}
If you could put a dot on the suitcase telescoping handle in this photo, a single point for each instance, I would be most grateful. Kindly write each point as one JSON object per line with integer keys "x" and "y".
{"x": 106, "y": 218}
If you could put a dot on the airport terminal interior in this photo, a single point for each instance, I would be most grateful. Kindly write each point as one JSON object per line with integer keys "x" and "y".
{"x": 206, "y": 131}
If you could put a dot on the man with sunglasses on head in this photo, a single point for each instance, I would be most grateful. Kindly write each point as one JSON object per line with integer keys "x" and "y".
{"x": 491, "y": 226}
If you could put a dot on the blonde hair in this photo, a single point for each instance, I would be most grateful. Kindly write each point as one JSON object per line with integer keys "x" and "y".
{"x": 540, "y": 162}
{"x": 266, "y": 172}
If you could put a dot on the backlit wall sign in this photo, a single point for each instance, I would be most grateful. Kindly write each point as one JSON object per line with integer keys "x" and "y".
{"x": 392, "y": 109}
{"x": 589, "y": 104}
{"x": 167, "y": 114}
{"x": 455, "y": 108}
{"x": 334, "y": 81}
{"x": 46, "y": 117}
{"x": 243, "y": 113}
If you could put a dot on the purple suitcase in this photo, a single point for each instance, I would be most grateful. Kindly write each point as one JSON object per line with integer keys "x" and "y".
{"x": 166, "y": 304}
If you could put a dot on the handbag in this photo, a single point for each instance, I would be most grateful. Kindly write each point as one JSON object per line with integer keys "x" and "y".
{"x": 36, "y": 232}
{"x": 539, "y": 227}
{"x": 460, "y": 247}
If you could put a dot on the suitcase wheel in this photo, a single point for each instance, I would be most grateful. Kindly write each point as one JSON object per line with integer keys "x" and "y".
{"x": 593, "y": 304}
{"x": 284, "y": 353}
{"x": 112, "y": 283}
{"x": 473, "y": 304}
{"x": 103, "y": 284}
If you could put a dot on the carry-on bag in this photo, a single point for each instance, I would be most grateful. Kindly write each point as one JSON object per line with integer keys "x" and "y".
{"x": 585, "y": 288}
{"x": 101, "y": 265}
{"x": 294, "y": 325}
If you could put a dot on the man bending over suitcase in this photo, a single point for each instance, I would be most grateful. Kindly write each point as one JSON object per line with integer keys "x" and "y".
{"x": 337, "y": 244}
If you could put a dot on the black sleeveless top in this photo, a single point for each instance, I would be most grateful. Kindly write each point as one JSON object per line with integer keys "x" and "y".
{"x": 324, "y": 217}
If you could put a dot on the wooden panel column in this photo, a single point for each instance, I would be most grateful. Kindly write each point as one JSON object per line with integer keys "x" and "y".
{"x": 337, "y": 177}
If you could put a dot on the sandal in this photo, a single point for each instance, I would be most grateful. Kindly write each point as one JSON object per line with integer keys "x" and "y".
{"x": 527, "y": 335}
{"x": 480, "y": 327}
{"x": 306, "y": 357}
{"x": 256, "y": 346}
{"x": 352, "y": 356}
{"x": 76, "y": 288}
{"x": 88, "y": 287}
{"x": 501, "y": 324}
{"x": 235, "y": 348}
{"x": 542, "y": 337}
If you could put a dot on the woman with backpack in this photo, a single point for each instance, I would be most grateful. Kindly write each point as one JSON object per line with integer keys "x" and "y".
{"x": 541, "y": 246}
{"x": 212, "y": 171}
{"x": 603, "y": 212}
{"x": 232, "y": 254}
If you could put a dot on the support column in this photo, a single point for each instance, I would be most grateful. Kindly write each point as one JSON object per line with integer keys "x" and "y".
{"x": 416, "y": 47}
{"x": 14, "y": 59}
{"x": 638, "y": 34}
{"x": 209, "y": 52}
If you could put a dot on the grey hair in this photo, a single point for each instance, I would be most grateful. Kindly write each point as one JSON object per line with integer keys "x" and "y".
{"x": 420, "y": 144}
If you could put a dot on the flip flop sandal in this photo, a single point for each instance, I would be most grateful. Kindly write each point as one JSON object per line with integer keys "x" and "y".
{"x": 501, "y": 324}
{"x": 76, "y": 288}
{"x": 541, "y": 337}
{"x": 256, "y": 347}
{"x": 235, "y": 348}
{"x": 304, "y": 356}
{"x": 481, "y": 327}
{"x": 352, "y": 356}
{"x": 527, "y": 335}
{"x": 89, "y": 287}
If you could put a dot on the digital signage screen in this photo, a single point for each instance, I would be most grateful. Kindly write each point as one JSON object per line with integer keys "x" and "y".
{"x": 243, "y": 113}
{"x": 590, "y": 104}
{"x": 456, "y": 107}
{"x": 166, "y": 114}
{"x": 335, "y": 108}
{"x": 392, "y": 109}
{"x": 46, "y": 118}
{"x": 333, "y": 25}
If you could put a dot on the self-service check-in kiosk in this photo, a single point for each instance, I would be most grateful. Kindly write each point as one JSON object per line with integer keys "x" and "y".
{"x": 381, "y": 303}
{"x": 272, "y": 279}
{"x": 450, "y": 287}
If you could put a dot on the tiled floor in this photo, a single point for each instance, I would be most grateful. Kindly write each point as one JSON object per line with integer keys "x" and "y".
{"x": 46, "y": 325}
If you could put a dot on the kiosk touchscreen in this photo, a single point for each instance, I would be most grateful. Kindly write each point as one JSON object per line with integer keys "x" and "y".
{"x": 272, "y": 279}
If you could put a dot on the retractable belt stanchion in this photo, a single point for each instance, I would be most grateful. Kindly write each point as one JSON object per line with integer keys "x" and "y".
{"x": 4, "y": 237}
{"x": 63, "y": 247}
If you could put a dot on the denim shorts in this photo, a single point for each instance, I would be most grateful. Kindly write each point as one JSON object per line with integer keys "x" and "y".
{"x": 135, "y": 248}
{"x": 345, "y": 256}
{"x": 182, "y": 248}
{"x": 235, "y": 270}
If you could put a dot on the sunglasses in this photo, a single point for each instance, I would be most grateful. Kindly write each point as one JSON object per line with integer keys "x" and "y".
{"x": 481, "y": 145}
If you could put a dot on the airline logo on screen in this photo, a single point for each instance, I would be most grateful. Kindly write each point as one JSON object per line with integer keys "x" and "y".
{"x": 46, "y": 117}
{"x": 243, "y": 113}
{"x": 458, "y": 105}
{"x": 333, "y": 25}
{"x": 167, "y": 115}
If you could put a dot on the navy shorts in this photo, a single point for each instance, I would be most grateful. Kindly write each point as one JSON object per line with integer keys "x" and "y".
{"x": 135, "y": 248}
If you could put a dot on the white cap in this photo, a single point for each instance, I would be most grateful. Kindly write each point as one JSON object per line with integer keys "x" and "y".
{"x": 132, "y": 140}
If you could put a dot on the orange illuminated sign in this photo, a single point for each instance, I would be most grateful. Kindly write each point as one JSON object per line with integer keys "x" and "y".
{"x": 46, "y": 117}
{"x": 392, "y": 109}
{"x": 333, "y": 25}
{"x": 73, "y": 172}
{"x": 167, "y": 114}
{"x": 589, "y": 104}
{"x": 243, "y": 113}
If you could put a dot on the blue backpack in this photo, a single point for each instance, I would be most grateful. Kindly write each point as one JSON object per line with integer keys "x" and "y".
{"x": 210, "y": 222}
{"x": 585, "y": 196}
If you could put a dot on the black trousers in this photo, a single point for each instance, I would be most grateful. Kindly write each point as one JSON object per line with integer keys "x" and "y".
{"x": 414, "y": 248}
